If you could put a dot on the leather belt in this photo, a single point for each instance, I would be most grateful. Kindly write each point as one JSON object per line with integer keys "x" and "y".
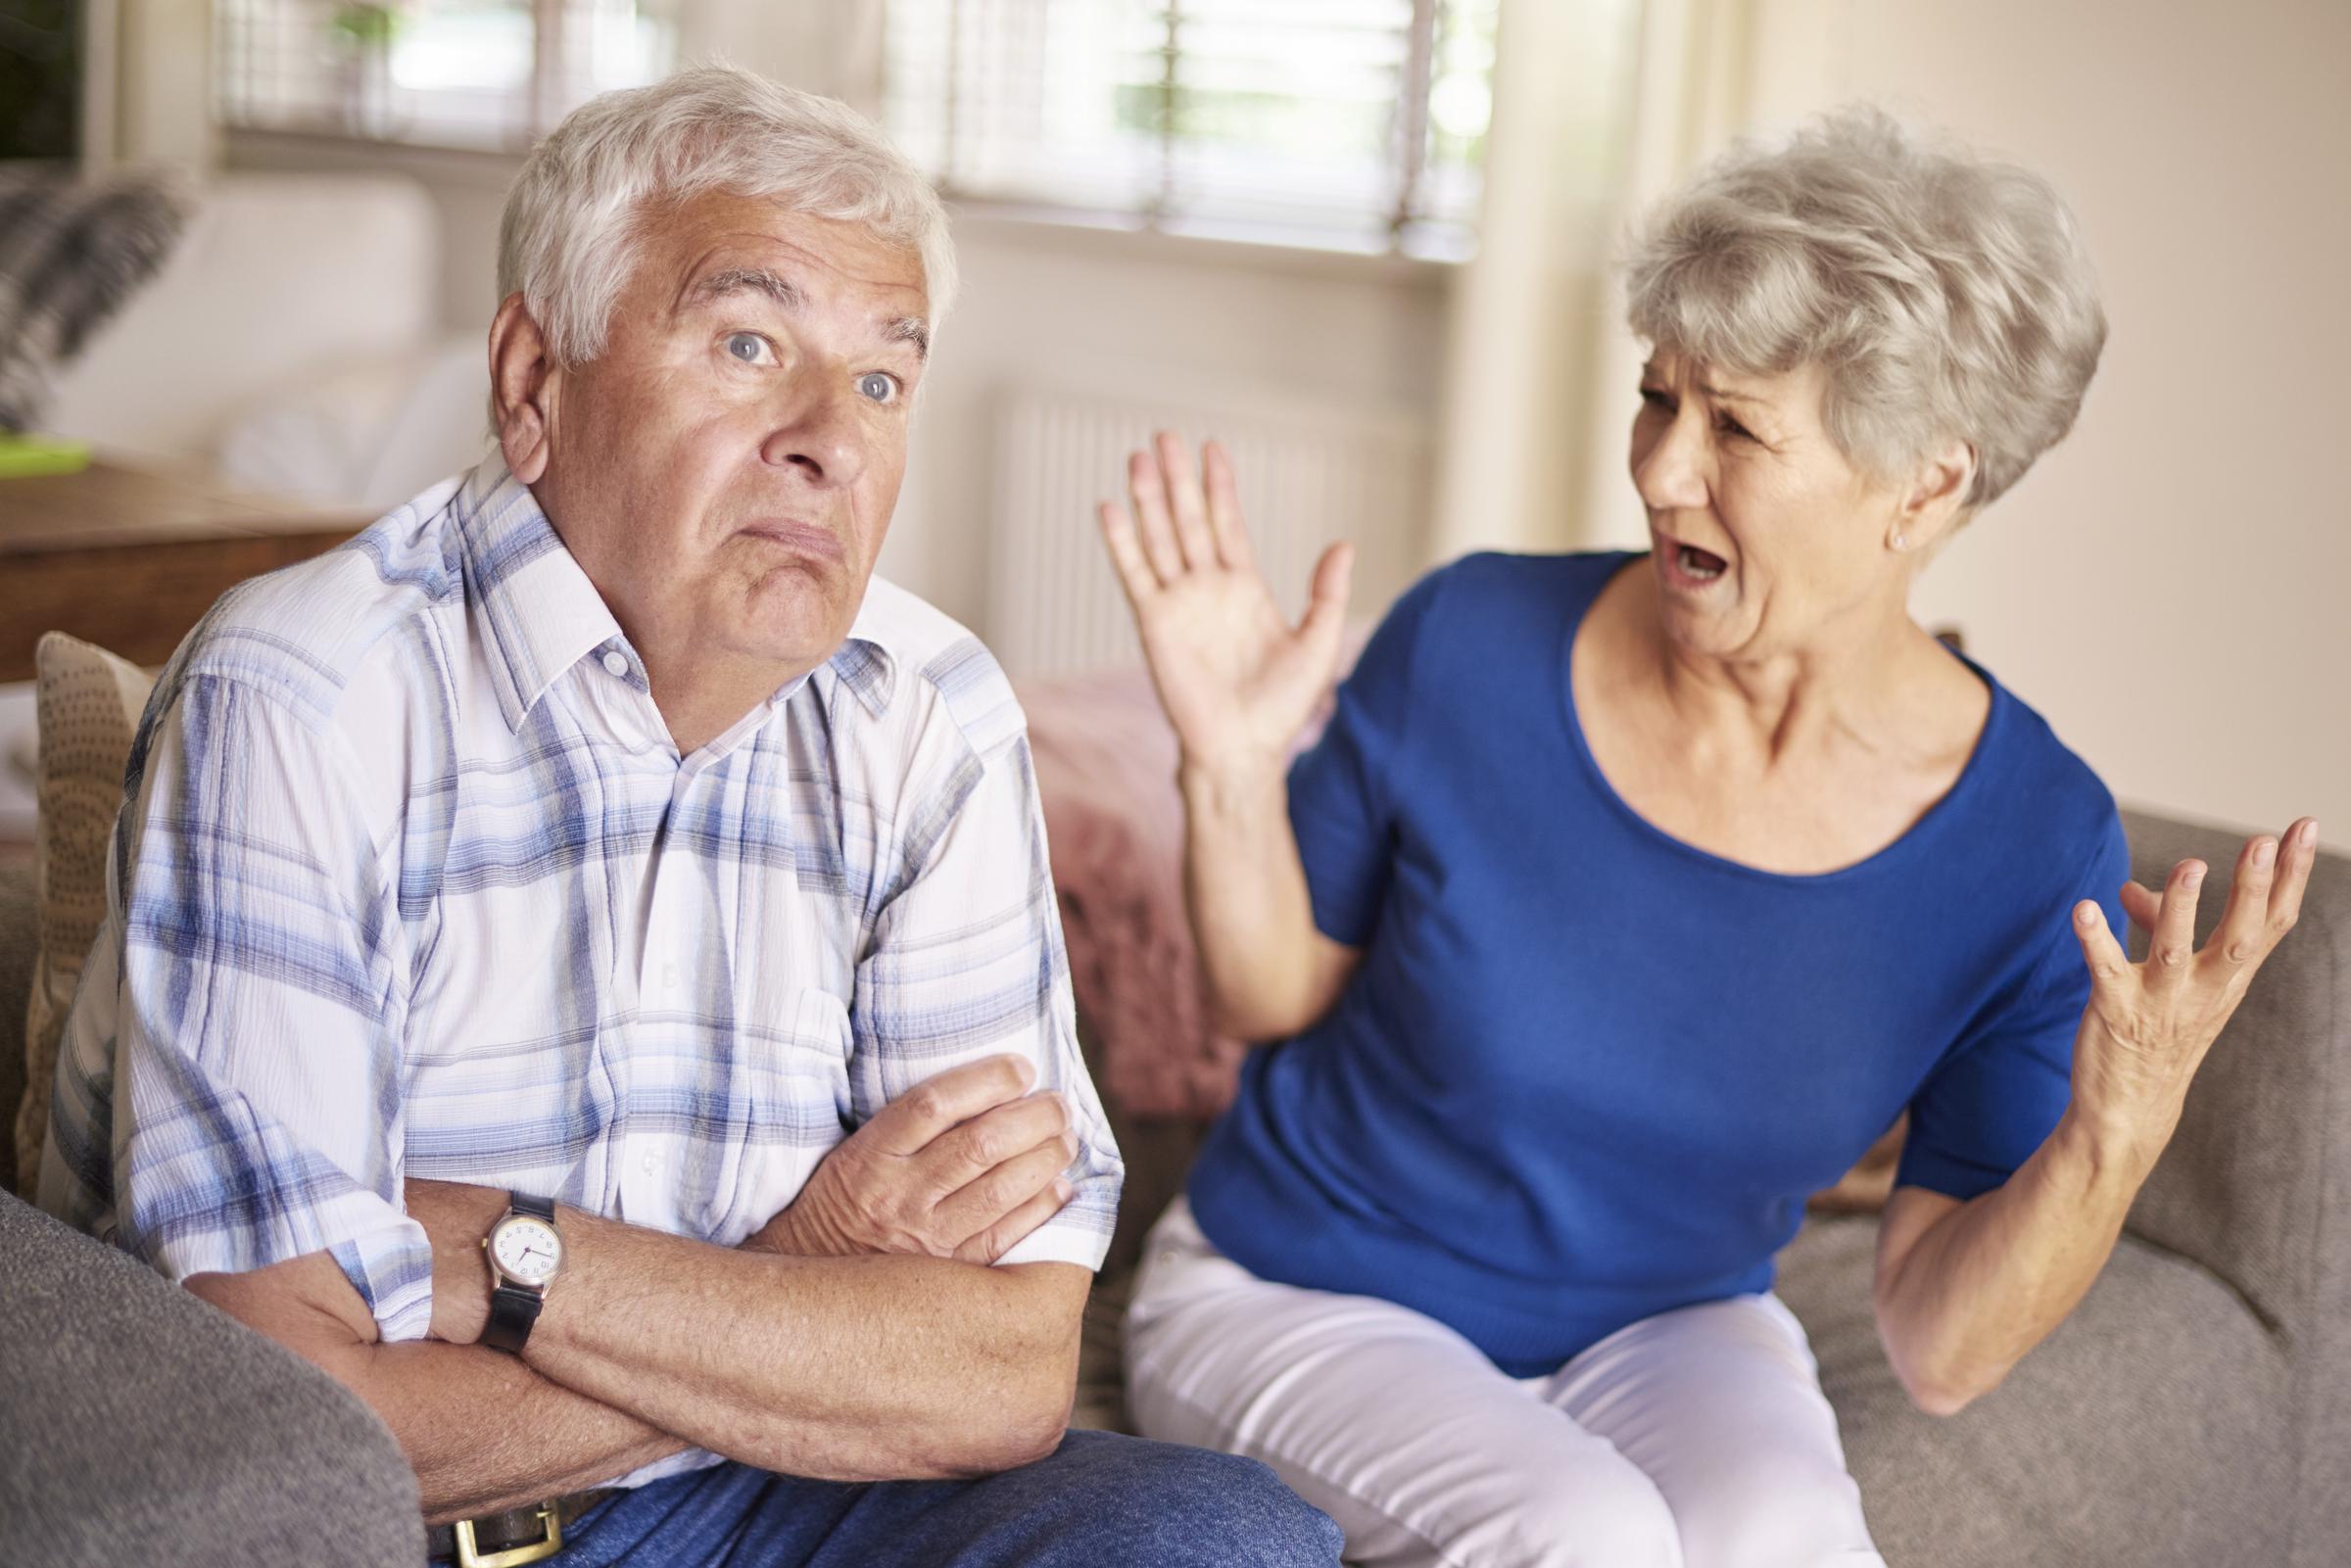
{"x": 511, "y": 1538}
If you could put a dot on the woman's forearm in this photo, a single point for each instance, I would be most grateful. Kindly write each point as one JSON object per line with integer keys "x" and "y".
{"x": 1981, "y": 1282}
{"x": 1269, "y": 971}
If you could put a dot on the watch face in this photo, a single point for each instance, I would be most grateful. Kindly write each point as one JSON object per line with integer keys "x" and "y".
{"x": 526, "y": 1250}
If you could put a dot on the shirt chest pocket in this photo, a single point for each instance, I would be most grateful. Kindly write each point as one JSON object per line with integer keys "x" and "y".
{"x": 789, "y": 1093}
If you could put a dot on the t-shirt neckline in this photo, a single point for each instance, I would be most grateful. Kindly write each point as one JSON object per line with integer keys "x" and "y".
{"x": 1944, "y": 806}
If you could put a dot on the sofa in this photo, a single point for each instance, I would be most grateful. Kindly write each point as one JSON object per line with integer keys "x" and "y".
{"x": 2194, "y": 1411}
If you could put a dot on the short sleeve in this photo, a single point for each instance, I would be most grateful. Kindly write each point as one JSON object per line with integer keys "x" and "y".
{"x": 251, "y": 1018}
{"x": 966, "y": 961}
{"x": 1339, "y": 798}
{"x": 1998, "y": 1095}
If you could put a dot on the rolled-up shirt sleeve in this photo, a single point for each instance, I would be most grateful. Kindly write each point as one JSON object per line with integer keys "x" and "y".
{"x": 254, "y": 941}
{"x": 966, "y": 961}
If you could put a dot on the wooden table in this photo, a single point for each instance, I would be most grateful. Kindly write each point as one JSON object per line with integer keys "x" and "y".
{"x": 130, "y": 557}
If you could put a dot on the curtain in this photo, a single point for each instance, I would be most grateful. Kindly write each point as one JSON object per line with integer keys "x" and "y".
{"x": 1600, "y": 106}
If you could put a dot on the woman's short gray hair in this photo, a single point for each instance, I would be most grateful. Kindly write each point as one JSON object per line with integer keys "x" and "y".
{"x": 1946, "y": 295}
{"x": 568, "y": 240}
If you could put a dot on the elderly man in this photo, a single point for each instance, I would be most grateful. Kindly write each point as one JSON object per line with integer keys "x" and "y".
{"x": 513, "y": 911}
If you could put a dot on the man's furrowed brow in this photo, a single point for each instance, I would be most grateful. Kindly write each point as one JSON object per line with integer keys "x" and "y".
{"x": 730, "y": 280}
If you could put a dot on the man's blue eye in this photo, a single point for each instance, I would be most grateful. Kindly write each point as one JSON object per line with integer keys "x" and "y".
{"x": 745, "y": 346}
{"x": 876, "y": 386}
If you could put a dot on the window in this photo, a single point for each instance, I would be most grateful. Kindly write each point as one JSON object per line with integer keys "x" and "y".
{"x": 486, "y": 73}
{"x": 1352, "y": 125}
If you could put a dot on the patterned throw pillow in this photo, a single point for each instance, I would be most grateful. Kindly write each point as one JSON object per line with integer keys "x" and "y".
{"x": 90, "y": 703}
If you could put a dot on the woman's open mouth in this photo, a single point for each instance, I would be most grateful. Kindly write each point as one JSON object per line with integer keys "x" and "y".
{"x": 1691, "y": 566}
{"x": 1702, "y": 563}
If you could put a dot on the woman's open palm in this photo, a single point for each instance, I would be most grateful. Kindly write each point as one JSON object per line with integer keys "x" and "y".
{"x": 1238, "y": 681}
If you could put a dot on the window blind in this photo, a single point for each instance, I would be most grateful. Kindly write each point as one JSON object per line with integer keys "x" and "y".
{"x": 482, "y": 74}
{"x": 1354, "y": 124}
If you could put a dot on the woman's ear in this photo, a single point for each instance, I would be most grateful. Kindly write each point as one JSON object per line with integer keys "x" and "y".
{"x": 524, "y": 378}
{"x": 1936, "y": 500}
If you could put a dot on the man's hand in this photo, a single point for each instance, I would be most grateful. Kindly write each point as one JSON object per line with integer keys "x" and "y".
{"x": 455, "y": 1219}
{"x": 963, "y": 1166}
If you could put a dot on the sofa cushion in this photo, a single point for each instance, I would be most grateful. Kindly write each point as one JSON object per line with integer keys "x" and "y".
{"x": 2187, "y": 1460}
{"x": 142, "y": 1426}
{"x": 89, "y": 704}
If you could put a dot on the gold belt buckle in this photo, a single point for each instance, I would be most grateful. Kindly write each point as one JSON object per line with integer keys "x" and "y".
{"x": 512, "y": 1557}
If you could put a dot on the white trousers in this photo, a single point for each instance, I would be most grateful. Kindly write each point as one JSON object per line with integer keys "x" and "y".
{"x": 1694, "y": 1438}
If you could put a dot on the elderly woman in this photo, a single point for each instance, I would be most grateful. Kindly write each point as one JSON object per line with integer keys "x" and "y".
{"x": 1628, "y": 898}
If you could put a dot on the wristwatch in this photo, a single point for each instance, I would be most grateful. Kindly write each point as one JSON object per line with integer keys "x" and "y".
{"x": 525, "y": 1253}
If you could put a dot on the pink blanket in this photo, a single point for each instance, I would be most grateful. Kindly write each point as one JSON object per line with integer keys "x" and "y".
{"x": 1106, "y": 768}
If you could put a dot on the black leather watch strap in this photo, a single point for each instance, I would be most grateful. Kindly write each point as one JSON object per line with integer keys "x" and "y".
{"x": 512, "y": 1312}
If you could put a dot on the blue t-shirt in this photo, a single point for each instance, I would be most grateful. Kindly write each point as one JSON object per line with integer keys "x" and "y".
{"x": 1587, "y": 1072}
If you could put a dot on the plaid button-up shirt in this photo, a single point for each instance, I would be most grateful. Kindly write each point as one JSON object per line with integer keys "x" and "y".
{"x": 411, "y": 882}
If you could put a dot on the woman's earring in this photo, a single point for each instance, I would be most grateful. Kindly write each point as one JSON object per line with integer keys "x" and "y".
{"x": 1901, "y": 545}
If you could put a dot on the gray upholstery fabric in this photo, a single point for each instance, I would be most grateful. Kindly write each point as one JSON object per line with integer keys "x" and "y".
{"x": 2256, "y": 1186}
{"x": 16, "y": 939}
{"x": 2147, "y": 1431}
{"x": 138, "y": 1425}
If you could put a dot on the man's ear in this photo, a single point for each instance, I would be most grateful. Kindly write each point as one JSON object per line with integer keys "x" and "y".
{"x": 523, "y": 381}
{"x": 1937, "y": 498}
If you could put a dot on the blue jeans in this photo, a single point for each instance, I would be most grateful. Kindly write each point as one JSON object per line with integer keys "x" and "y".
{"x": 1097, "y": 1501}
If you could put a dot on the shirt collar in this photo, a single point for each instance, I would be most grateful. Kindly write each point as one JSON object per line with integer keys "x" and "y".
{"x": 539, "y": 614}
{"x": 867, "y": 663}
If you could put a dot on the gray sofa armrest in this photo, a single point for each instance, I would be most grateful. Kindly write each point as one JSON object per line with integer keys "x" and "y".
{"x": 138, "y": 1424}
{"x": 2256, "y": 1186}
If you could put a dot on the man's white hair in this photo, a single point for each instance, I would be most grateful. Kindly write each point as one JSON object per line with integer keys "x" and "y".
{"x": 573, "y": 222}
{"x": 1946, "y": 295}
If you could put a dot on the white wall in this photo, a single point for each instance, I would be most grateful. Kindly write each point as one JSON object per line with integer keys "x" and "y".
{"x": 1191, "y": 321}
{"x": 2168, "y": 586}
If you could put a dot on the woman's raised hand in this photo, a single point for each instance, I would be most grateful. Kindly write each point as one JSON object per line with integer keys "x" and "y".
{"x": 1238, "y": 682}
{"x": 2150, "y": 1025}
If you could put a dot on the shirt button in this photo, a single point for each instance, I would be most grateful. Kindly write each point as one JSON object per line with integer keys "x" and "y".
{"x": 651, "y": 1163}
{"x": 617, "y": 662}
{"x": 669, "y": 976}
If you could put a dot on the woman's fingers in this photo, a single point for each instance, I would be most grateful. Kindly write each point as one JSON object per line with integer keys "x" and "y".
{"x": 2108, "y": 963}
{"x": 1149, "y": 494}
{"x": 2172, "y": 940}
{"x": 2297, "y": 852}
{"x": 1224, "y": 509}
{"x": 1188, "y": 506}
{"x": 2141, "y": 904}
{"x": 2242, "y": 937}
{"x": 1127, "y": 554}
{"x": 1327, "y": 610}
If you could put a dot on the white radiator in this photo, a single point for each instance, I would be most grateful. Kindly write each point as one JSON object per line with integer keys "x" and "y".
{"x": 1307, "y": 475}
